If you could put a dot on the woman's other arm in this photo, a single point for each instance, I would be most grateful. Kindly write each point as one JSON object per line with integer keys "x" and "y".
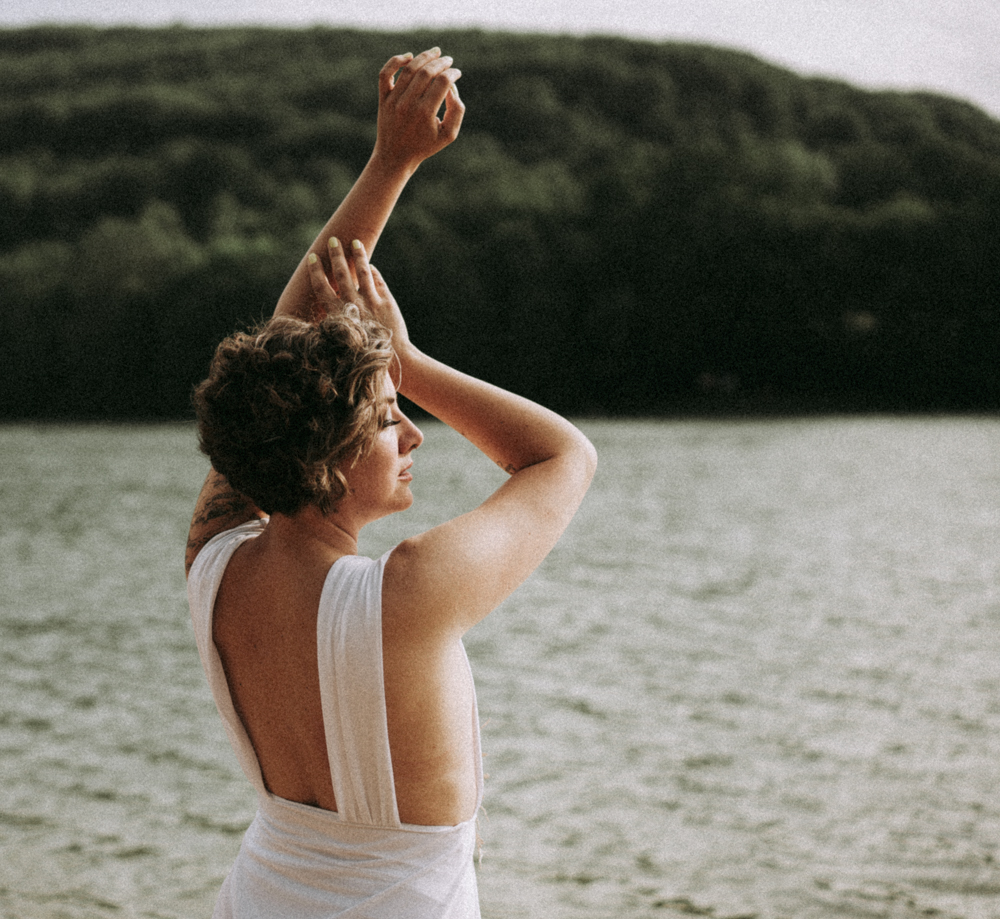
{"x": 451, "y": 576}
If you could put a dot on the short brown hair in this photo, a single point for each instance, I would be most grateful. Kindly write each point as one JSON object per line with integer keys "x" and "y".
{"x": 288, "y": 402}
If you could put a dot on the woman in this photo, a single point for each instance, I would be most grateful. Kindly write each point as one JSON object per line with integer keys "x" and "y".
{"x": 342, "y": 681}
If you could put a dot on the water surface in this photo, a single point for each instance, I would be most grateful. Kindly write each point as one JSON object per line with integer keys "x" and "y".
{"x": 758, "y": 677}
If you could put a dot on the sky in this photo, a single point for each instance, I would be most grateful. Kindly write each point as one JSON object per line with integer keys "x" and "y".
{"x": 946, "y": 46}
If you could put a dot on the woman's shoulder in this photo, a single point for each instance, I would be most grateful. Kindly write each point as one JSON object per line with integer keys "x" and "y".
{"x": 219, "y": 549}
{"x": 354, "y": 578}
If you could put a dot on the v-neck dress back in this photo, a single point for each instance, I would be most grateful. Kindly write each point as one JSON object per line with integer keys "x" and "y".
{"x": 360, "y": 862}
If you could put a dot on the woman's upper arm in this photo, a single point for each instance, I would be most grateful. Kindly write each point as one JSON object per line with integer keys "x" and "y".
{"x": 447, "y": 579}
{"x": 219, "y": 508}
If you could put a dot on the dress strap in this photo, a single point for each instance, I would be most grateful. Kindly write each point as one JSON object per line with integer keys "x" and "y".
{"x": 202, "y": 588}
{"x": 352, "y": 691}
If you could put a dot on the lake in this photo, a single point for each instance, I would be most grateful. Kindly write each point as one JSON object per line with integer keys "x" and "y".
{"x": 759, "y": 676}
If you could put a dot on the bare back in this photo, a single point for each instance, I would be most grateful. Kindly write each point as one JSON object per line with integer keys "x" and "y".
{"x": 265, "y": 630}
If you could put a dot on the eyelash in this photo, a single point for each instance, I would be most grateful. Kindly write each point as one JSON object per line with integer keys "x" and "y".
{"x": 389, "y": 423}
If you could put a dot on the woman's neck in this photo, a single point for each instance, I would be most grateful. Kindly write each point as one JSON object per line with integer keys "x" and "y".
{"x": 310, "y": 528}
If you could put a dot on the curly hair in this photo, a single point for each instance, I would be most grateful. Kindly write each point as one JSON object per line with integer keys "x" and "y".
{"x": 287, "y": 403}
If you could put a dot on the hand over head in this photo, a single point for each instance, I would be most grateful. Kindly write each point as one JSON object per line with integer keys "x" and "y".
{"x": 411, "y": 92}
{"x": 369, "y": 292}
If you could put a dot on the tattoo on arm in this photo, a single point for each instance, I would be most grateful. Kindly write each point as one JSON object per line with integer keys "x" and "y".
{"x": 226, "y": 503}
{"x": 219, "y": 508}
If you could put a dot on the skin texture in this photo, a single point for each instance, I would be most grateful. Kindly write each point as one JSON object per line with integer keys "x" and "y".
{"x": 437, "y": 584}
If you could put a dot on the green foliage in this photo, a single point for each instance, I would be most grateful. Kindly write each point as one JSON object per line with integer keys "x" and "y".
{"x": 623, "y": 227}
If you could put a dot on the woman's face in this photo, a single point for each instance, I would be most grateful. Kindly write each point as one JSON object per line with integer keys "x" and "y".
{"x": 380, "y": 482}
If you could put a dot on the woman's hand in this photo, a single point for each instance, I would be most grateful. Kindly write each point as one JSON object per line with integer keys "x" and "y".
{"x": 411, "y": 92}
{"x": 369, "y": 292}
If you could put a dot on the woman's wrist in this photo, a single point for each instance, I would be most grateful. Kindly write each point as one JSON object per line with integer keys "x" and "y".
{"x": 410, "y": 360}
{"x": 392, "y": 167}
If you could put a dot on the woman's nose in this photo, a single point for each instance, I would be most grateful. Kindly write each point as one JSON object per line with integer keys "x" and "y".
{"x": 414, "y": 437}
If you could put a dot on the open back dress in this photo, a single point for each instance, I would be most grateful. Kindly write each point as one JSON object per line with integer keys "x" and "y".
{"x": 359, "y": 862}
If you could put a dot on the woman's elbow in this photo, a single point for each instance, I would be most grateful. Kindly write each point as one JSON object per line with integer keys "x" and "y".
{"x": 587, "y": 457}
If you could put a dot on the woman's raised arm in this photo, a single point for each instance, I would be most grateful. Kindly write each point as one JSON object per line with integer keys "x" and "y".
{"x": 411, "y": 93}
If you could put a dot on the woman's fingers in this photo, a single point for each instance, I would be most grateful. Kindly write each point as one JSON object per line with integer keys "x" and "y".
{"x": 413, "y": 66}
{"x": 363, "y": 269}
{"x": 381, "y": 288}
{"x": 425, "y": 80}
{"x": 378, "y": 298}
{"x": 338, "y": 288}
{"x": 454, "y": 112}
{"x": 368, "y": 293}
{"x": 371, "y": 284}
{"x": 318, "y": 279}
{"x": 325, "y": 298}
{"x": 341, "y": 272}
{"x": 387, "y": 75}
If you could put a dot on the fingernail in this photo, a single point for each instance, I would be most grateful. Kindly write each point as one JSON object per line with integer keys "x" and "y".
{"x": 356, "y": 245}
{"x": 313, "y": 258}
{"x": 334, "y": 242}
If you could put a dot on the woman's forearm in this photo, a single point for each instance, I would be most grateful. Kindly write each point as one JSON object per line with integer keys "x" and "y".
{"x": 362, "y": 215}
{"x": 512, "y": 431}
{"x": 412, "y": 91}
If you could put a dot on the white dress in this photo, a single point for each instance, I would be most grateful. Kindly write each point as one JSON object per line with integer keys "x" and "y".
{"x": 360, "y": 862}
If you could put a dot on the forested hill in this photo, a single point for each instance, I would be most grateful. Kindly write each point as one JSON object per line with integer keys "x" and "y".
{"x": 622, "y": 227}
